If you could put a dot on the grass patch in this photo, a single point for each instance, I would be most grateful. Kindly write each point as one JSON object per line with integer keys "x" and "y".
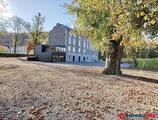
{"x": 142, "y": 63}
{"x": 147, "y": 64}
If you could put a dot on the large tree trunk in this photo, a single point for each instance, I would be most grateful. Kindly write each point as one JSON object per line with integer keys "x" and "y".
{"x": 113, "y": 62}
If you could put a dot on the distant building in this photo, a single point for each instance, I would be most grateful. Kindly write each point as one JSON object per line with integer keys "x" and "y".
{"x": 64, "y": 47}
{"x": 19, "y": 50}
{"x": 6, "y": 41}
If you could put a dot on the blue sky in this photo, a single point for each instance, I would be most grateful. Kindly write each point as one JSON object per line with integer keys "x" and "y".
{"x": 53, "y": 10}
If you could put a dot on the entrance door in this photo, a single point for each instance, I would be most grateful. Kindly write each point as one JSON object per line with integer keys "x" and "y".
{"x": 84, "y": 59}
{"x": 79, "y": 59}
{"x": 73, "y": 58}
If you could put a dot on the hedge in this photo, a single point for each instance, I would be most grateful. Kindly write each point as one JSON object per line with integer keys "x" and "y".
{"x": 12, "y": 55}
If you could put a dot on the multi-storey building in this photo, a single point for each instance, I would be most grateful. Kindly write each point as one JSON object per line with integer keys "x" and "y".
{"x": 65, "y": 47}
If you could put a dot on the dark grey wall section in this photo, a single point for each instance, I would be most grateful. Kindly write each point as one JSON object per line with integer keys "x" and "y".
{"x": 42, "y": 56}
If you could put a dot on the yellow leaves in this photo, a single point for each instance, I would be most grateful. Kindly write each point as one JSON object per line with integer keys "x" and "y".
{"x": 117, "y": 35}
{"x": 97, "y": 5}
{"x": 113, "y": 19}
{"x": 125, "y": 42}
{"x": 142, "y": 13}
{"x": 141, "y": 43}
{"x": 139, "y": 2}
{"x": 152, "y": 43}
{"x": 152, "y": 21}
{"x": 114, "y": 37}
{"x": 146, "y": 18}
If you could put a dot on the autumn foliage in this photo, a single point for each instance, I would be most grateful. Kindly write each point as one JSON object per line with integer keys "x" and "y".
{"x": 29, "y": 47}
{"x": 142, "y": 48}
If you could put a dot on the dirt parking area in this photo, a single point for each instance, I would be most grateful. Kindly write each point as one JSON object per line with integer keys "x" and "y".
{"x": 44, "y": 91}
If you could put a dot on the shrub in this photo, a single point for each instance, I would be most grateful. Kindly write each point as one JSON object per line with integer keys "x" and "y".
{"x": 12, "y": 55}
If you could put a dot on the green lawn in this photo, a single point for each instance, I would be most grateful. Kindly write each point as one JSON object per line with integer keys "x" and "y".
{"x": 149, "y": 64}
{"x": 142, "y": 63}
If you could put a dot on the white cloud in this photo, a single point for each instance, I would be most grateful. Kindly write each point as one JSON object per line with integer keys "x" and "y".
{"x": 4, "y": 13}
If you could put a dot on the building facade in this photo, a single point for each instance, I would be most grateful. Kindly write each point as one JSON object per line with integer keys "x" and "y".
{"x": 65, "y": 47}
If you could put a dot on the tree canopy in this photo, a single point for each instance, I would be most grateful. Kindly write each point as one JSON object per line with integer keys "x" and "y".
{"x": 101, "y": 19}
{"x": 36, "y": 33}
{"x": 36, "y": 28}
{"x": 17, "y": 26}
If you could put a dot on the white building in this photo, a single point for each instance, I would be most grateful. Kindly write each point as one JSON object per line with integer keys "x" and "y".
{"x": 65, "y": 47}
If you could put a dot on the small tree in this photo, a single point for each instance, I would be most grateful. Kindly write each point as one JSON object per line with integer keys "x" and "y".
{"x": 17, "y": 26}
{"x": 36, "y": 29}
{"x": 29, "y": 47}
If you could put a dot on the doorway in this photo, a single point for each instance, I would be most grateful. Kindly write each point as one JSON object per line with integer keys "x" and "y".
{"x": 83, "y": 59}
{"x": 79, "y": 59}
{"x": 73, "y": 58}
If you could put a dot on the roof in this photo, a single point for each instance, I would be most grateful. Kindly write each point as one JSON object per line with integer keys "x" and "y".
{"x": 66, "y": 27}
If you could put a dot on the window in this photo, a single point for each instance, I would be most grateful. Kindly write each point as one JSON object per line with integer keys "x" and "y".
{"x": 79, "y": 59}
{"x": 73, "y": 58}
{"x": 43, "y": 48}
{"x": 69, "y": 48}
{"x": 84, "y": 50}
{"x": 74, "y": 41}
{"x": 63, "y": 50}
{"x": 79, "y": 42}
{"x": 87, "y": 44}
{"x": 69, "y": 40}
{"x": 84, "y": 44}
{"x": 90, "y": 46}
{"x": 56, "y": 49}
{"x": 84, "y": 59}
{"x": 74, "y": 49}
{"x": 79, "y": 50}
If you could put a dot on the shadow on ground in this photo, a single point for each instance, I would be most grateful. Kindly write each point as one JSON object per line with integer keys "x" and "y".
{"x": 140, "y": 78}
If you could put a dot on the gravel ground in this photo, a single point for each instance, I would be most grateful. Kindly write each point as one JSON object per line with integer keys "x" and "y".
{"x": 40, "y": 91}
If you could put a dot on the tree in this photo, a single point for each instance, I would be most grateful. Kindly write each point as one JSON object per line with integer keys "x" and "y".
{"x": 17, "y": 27}
{"x": 2, "y": 26}
{"x": 29, "y": 47}
{"x": 110, "y": 24}
{"x": 36, "y": 29}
